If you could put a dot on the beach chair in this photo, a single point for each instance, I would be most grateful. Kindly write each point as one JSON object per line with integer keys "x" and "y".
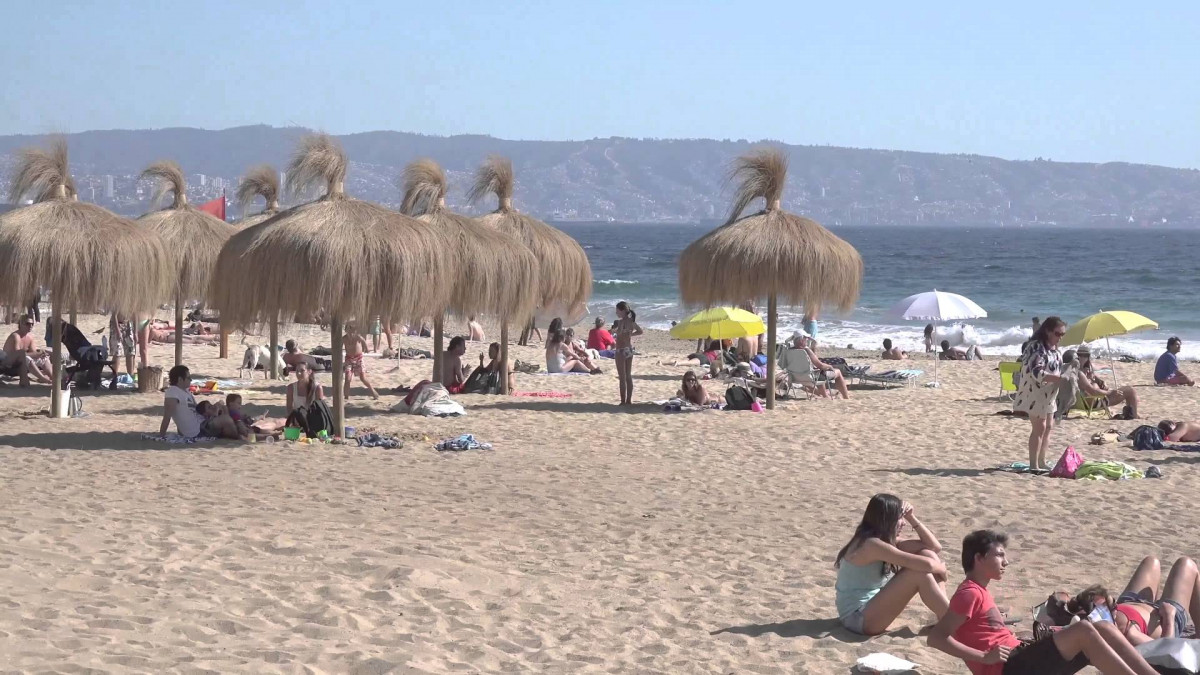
{"x": 892, "y": 378}
{"x": 1094, "y": 407}
{"x": 1008, "y": 384}
{"x": 800, "y": 373}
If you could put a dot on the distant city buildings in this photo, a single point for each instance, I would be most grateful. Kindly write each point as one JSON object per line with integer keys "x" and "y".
{"x": 203, "y": 180}
{"x": 109, "y": 188}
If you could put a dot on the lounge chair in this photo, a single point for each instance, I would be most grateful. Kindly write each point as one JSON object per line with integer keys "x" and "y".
{"x": 1008, "y": 384}
{"x": 805, "y": 379}
{"x": 893, "y": 377}
{"x": 1094, "y": 407}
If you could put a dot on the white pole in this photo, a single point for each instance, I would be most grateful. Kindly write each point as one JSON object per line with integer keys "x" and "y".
{"x": 1111, "y": 361}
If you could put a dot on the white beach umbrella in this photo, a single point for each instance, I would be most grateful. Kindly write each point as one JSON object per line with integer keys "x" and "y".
{"x": 937, "y": 305}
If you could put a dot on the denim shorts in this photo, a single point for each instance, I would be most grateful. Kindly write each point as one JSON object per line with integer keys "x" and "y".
{"x": 1183, "y": 622}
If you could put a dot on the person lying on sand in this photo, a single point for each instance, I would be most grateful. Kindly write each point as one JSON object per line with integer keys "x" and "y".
{"x": 891, "y": 353}
{"x": 293, "y": 355}
{"x": 1139, "y": 612}
{"x": 704, "y": 358}
{"x": 969, "y": 353}
{"x": 973, "y": 629}
{"x": 692, "y": 391}
{"x": 250, "y": 426}
{"x": 878, "y": 574}
{"x": 1180, "y": 432}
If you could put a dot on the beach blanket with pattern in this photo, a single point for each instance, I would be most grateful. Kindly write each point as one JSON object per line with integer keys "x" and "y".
{"x": 461, "y": 443}
{"x": 176, "y": 439}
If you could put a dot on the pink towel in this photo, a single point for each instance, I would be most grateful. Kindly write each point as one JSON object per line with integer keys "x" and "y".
{"x": 544, "y": 394}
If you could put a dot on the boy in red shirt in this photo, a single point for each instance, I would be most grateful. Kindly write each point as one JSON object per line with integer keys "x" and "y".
{"x": 974, "y": 630}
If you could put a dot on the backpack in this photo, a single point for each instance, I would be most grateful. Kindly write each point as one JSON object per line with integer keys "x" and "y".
{"x": 482, "y": 382}
{"x": 1147, "y": 437}
{"x": 312, "y": 418}
{"x": 738, "y": 397}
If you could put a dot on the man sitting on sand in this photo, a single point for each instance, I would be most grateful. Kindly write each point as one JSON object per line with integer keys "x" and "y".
{"x": 891, "y": 353}
{"x": 476, "y": 330}
{"x": 973, "y": 629}
{"x": 970, "y": 353}
{"x": 20, "y": 356}
{"x": 599, "y": 338}
{"x": 1166, "y": 371}
{"x": 192, "y": 421}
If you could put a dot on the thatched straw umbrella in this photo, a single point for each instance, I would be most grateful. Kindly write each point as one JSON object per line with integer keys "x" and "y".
{"x": 494, "y": 272}
{"x": 564, "y": 273}
{"x": 349, "y": 257}
{"x": 262, "y": 181}
{"x": 87, "y": 256}
{"x": 194, "y": 238}
{"x": 772, "y": 252}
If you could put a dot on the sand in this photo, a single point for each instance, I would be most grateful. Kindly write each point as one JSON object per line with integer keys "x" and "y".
{"x": 591, "y": 539}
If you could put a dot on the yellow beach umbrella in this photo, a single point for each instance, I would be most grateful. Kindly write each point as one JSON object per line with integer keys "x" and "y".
{"x": 719, "y": 323}
{"x": 1105, "y": 325}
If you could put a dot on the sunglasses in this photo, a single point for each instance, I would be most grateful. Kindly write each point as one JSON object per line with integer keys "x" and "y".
{"x": 1060, "y": 333}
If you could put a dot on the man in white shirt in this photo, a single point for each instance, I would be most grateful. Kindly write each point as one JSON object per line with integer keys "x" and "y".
{"x": 179, "y": 405}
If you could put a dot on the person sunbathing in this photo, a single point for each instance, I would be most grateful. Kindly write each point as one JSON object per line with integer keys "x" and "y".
{"x": 1091, "y": 385}
{"x": 161, "y": 333}
{"x": 21, "y": 359}
{"x": 1139, "y": 612}
{"x": 692, "y": 391}
{"x": 293, "y": 356}
{"x": 704, "y": 358}
{"x": 891, "y": 353}
{"x": 830, "y": 373}
{"x": 969, "y": 353}
{"x": 1180, "y": 432}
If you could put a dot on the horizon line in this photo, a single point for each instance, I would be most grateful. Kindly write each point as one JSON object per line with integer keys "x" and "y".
{"x": 740, "y": 141}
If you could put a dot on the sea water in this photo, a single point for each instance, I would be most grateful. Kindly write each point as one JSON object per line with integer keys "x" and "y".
{"x": 1013, "y": 273}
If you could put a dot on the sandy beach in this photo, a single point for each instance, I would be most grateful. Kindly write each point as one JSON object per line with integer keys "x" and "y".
{"x": 590, "y": 539}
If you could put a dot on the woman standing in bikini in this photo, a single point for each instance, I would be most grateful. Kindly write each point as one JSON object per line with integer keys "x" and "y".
{"x": 626, "y": 329}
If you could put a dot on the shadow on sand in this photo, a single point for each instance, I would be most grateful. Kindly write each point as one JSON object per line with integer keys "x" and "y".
{"x": 810, "y": 628}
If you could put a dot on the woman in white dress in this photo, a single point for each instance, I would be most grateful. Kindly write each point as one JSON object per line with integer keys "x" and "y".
{"x": 1041, "y": 365}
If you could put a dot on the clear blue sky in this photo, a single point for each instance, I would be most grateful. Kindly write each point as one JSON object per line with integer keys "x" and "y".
{"x": 1086, "y": 81}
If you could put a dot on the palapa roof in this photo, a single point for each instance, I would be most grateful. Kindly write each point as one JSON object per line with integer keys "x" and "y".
{"x": 494, "y": 272}
{"x": 771, "y": 252}
{"x": 88, "y": 257}
{"x": 260, "y": 181}
{"x": 353, "y": 258}
{"x": 565, "y": 275}
{"x": 193, "y": 237}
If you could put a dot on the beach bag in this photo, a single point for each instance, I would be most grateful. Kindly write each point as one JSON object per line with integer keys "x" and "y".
{"x": 320, "y": 418}
{"x": 1147, "y": 437}
{"x": 482, "y": 382}
{"x": 738, "y": 397}
{"x": 1068, "y": 464}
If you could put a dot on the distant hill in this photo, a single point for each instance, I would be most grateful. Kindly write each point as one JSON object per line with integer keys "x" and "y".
{"x": 652, "y": 180}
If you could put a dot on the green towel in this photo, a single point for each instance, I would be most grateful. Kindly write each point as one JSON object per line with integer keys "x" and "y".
{"x": 1106, "y": 471}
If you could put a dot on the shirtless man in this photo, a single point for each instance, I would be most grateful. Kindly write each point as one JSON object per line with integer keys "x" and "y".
{"x": 1186, "y": 432}
{"x": 19, "y": 354}
{"x": 891, "y": 353}
{"x": 949, "y": 353}
{"x": 355, "y": 347}
{"x": 476, "y": 330}
{"x": 454, "y": 371}
{"x": 293, "y": 355}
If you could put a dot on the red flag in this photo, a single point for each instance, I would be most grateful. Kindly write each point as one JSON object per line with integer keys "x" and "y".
{"x": 216, "y": 207}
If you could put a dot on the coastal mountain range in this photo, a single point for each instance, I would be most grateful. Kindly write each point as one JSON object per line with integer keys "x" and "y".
{"x": 659, "y": 180}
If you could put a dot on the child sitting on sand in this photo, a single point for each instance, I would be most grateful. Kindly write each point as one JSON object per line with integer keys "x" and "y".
{"x": 877, "y": 575}
{"x": 974, "y": 630}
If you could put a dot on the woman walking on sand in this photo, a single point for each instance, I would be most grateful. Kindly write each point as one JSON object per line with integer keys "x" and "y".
{"x": 625, "y": 328}
{"x": 1040, "y": 367}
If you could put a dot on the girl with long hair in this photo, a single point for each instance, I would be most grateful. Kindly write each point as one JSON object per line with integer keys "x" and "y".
{"x": 1041, "y": 365}
{"x": 626, "y": 328}
{"x": 877, "y": 575}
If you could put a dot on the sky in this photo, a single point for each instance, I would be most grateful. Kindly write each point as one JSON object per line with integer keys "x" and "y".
{"x": 1070, "y": 81}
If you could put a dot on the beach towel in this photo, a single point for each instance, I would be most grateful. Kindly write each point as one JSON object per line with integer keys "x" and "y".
{"x": 1147, "y": 437}
{"x": 461, "y": 443}
{"x": 431, "y": 400}
{"x": 675, "y": 405}
{"x": 570, "y": 373}
{"x": 176, "y": 439}
{"x": 543, "y": 394}
{"x": 884, "y": 664}
{"x": 1107, "y": 471}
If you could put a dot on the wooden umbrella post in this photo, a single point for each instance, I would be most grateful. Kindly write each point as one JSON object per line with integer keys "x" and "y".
{"x": 771, "y": 352}
{"x": 178, "y": 330}
{"x": 339, "y": 398}
{"x": 438, "y": 355}
{"x": 74, "y": 320}
{"x": 504, "y": 357}
{"x": 274, "y": 346}
{"x": 224, "y": 341}
{"x": 55, "y": 358}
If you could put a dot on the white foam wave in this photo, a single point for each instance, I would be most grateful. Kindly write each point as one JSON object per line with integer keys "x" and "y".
{"x": 616, "y": 282}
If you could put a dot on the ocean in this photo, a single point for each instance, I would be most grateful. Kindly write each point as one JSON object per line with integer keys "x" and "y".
{"x": 1014, "y": 274}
